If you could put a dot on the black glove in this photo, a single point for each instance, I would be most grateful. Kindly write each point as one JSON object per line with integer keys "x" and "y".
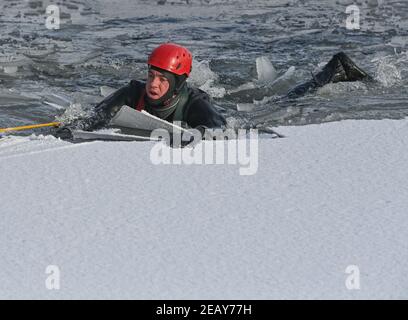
{"x": 63, "y": 133}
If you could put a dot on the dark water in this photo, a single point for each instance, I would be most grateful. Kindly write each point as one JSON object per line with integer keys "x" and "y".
{"x": 105, "y": 43}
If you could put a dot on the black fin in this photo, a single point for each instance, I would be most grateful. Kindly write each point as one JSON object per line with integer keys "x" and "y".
{"x": 354, "y": 72}
{"x": 333, "y": 71}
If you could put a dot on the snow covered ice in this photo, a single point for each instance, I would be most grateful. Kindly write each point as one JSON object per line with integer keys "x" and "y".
{"x": 325, "y": 197}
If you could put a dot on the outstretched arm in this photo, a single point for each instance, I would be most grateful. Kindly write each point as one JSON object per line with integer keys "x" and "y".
{"x": 105, "y": 110}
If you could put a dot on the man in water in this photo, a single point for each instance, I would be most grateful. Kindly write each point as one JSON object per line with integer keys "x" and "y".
{"x": 167, "y": 95}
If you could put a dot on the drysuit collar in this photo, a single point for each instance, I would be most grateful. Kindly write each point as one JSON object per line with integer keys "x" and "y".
{"x": 165, "y": 110}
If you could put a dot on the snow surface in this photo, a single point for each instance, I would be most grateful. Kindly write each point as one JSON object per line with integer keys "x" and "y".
{"x": 325, "y": 197}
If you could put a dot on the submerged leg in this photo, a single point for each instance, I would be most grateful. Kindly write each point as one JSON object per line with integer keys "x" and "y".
{"x": 340, "y": 68}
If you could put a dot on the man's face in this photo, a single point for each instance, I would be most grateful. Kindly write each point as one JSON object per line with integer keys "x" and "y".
{"x": 156, "y": 85}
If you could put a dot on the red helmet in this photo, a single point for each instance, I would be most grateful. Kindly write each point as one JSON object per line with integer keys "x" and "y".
{"x": 173, "y": 58}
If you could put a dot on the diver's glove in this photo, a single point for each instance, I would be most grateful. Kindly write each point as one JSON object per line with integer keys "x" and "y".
{"x": 63, "y": 133}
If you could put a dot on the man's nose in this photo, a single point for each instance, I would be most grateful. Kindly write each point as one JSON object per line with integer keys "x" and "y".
{"x": 155, "y": 82}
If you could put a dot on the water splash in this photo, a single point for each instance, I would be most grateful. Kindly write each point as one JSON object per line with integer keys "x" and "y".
{"x": 388, "y": 74}
{"x": 74, "y": 112}
{"x": 390, "y": 68}
{"x": 341, "y": 88}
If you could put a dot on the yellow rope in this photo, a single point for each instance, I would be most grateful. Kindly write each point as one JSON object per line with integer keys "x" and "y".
{"x": 34, "y": 126}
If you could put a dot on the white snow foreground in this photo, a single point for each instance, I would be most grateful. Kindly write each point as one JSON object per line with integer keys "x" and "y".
{"x": 116, "y": 226}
